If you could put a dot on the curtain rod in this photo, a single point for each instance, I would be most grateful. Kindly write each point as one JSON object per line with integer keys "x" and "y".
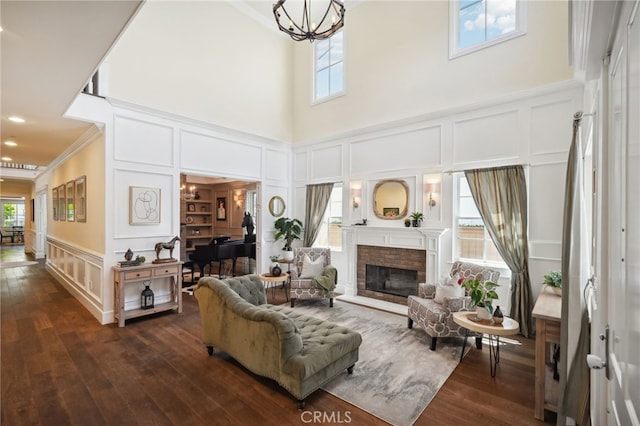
{"x": 579, "y": 114}
{"x": 493, "y": 167}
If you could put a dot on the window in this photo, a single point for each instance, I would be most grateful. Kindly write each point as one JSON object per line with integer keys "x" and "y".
{"x": 472, "y": 240}
{"x": 251, "y": 203}
{"x": 329, "y": 67}
{"x": 12, "y": 213}
{"x": 476, "y": 24}
{"x": 330, "y": 233}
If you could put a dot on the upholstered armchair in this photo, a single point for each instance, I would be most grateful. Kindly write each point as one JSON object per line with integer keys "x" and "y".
{"x": 309, "y": 263}
{"x": 437, "y": 318}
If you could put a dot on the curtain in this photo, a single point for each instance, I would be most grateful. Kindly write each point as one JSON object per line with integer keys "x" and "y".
{"x": 501, "y": 197}
{"x": 317, "y": 200}
{"x": 574, "y": 381}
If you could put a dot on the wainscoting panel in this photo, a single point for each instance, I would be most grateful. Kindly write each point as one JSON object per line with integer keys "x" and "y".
{"x": 300, "y": 165}
{"x": 207, "y": 153}
{"x": 549, "y": 135}
{"x": 490, "y": 137}
{"x": 411, "y": 149}
{"x": 326, "y": 163}
{"x": 276, "y": 165}
{"x": 546, "y": 201}
{"x": 142, "y": 142}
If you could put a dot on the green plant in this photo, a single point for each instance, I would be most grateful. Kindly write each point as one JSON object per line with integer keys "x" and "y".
{"x": 482, "y": 294}
{"x": 288, "y": 230}
{"x": 274, "y": 258}
{"x": 140, "y": 259}
{"x": 417, "y": 216}
{"x": 553, "y": 279}
{"x": 407, "y": 220}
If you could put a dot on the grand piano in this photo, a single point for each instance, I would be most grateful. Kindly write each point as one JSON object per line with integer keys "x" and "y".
{"x": 222, "y": 248}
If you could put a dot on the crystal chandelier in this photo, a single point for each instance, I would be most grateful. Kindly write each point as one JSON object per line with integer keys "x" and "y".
{"x": 313, "y": 24}
{"x": 187, "y": 195}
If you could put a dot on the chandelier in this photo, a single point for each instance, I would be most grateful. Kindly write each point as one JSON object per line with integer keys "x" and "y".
{"x": 187, "y": 194}
{"x": 313, "y": 24}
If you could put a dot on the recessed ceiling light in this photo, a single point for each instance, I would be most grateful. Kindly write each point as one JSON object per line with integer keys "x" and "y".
{"x": 10, "y": 143}
{"x": 16, "y": 119}
{"x": 6, "y": 159}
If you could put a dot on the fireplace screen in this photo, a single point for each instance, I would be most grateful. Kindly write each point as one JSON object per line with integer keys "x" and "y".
{"x": 401, "y": 282}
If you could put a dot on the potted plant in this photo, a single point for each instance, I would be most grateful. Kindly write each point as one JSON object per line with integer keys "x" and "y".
{"x": 553, "y": 282}
{"x": 416, "y": 219}
{"x": 482, "y": 296}
{"x": 288, "y": 230}
{"x": 407, "y": 222}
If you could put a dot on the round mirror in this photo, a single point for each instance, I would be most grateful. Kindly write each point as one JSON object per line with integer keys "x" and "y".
{"x": 276, "y": 206}
{"x": 391, "y": 199}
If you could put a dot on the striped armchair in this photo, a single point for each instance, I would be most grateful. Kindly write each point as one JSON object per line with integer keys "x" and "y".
{"x": 437, "y": 319}
{"x": 303, "y": 288}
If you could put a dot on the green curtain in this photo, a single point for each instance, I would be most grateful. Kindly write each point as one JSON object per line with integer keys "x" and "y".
{"x": 501, "y": 197}
{"x": 318, "y": 197}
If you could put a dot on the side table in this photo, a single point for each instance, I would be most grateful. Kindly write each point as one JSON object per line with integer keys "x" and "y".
{"x": 282, "y": 278}
{"x": 507, "y": 328}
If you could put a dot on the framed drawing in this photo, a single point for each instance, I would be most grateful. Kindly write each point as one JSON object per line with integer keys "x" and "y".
{"x": 191, "y": 207}
{"x": 144, "y": 205}
{"x": 81, "y": 199}
{"x": 54, "y": 202}
{"x": 390, "y": 211}
{"x": 62, "y": 202}
{"x": 71, "y": 204}
{"x": 221, "y": 205}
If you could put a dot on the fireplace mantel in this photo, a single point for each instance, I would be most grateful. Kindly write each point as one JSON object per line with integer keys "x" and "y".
{"x": 418, "y": 238}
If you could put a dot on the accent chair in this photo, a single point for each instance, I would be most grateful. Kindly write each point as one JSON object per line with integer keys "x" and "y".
{"x": 437, "y": 318}
{"x": 302, "y": 284}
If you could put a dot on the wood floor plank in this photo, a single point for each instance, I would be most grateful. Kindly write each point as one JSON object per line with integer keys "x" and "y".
{"x": 59, "y": 366}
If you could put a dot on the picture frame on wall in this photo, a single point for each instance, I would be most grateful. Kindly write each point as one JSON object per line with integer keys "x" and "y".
{"x": 62, "y": 201}
{"x": 221, "y": 208}
{"x": 81, "y": 199}
{"x": 54, "y": 202}
{"x": 144, "y": 205}
{"x": 71, "y": 204}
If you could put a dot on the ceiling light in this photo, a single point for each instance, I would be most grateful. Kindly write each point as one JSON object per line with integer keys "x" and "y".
{"x": 6, "y": 159}
{"x": 10, "y": 143}
{"x": 319, "y": 22}
{"x": 16, "y": 119}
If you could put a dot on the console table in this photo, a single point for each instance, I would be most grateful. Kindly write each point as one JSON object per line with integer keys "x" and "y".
{"x": 124, "y": 276}
{"x": 547, "y": 315}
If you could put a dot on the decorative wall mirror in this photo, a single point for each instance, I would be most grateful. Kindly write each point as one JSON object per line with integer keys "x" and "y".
{"x": 276, "y": 206}
{"x": 391, "y": 199}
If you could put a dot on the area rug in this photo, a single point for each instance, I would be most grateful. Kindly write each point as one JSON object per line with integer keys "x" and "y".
{"x": 18, "y": 264}
{"x": 396, "y": 375}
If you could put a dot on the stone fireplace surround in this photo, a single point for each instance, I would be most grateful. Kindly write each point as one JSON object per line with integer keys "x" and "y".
{"x": 392, "y": 241}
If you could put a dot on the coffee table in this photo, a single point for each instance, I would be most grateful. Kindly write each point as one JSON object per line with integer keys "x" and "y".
{"x": 468, "y": 321}
{"x": 275, "y": 279}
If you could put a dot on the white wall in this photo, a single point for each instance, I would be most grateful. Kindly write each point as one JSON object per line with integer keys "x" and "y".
{"x": 531, "y": 128}
{"x": 397, "y": 66}
{"x": 207, "y": 61}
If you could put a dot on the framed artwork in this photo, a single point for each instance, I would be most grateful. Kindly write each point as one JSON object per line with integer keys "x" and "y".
{"x": 71, "y": 203}
{"x": 221, "y": 208}
{"x": 54, "y": 202}
{"x": 191, "y": 207}
{"x": 390, "y": 211}
{"x": 62, "y": 201}
{"x": 144, "y": 205}
{"x": 81, "y": 199}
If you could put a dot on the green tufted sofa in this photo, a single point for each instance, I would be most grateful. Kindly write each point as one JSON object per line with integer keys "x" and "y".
{"x": 299, "y": 352}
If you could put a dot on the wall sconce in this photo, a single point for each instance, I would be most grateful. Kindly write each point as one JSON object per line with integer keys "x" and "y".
{"x": 238, "y": 198}
{"x": 355, "y": 194}
{"x": 431, "y": 188}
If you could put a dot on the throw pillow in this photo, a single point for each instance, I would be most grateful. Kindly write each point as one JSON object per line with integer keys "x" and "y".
{"x": 312, "y": 268}
{"x": 443, "y": 291}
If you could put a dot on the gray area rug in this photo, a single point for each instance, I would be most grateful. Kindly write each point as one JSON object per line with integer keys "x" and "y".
{"x": 396, "y": 375}
{"x": 17, "y": 264}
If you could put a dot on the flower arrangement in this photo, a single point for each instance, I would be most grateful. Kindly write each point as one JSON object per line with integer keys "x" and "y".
{"x": 274, "y": 258}
{"x": 482, "y": 294}
{"x": 553, "y": 279}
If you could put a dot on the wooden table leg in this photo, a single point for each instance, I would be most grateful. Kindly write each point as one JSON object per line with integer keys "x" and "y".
{"x": 540, "y": 358}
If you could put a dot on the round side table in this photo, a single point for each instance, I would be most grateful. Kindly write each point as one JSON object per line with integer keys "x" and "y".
{"x": 282, "y": 278}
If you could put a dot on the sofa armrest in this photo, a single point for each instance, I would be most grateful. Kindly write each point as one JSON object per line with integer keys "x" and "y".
{"x": 426, "y": 290}
{"x": 456, "y": 304}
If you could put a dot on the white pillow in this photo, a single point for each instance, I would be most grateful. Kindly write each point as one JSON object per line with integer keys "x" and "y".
{"x": 312, "y": 268}
{"x": 443, "y": 291}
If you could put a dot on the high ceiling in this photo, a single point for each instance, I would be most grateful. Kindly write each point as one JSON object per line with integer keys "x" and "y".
{"x": 49, "y": 50}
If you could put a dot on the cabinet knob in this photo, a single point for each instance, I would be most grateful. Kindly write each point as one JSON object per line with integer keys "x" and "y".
{"x": 138, "y": 274}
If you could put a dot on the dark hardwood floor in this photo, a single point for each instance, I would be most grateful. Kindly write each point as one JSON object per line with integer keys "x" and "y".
{"x": 59, "y": 366}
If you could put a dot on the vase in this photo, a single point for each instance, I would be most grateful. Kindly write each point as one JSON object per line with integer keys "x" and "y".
{"x": 287, "y": 255}
{"x": 554, "y": 290}
{"x": 498, "y": 317}
{"x": 415, "y": 223}
{"x": 275, "y": 269}
{"x": 482, "y": 313}
{"x": 407, "y": 224}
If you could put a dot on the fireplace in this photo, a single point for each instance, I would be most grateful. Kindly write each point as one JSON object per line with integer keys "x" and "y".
{"x": 389, "y": 273}
{"x": 397, "y": 281}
